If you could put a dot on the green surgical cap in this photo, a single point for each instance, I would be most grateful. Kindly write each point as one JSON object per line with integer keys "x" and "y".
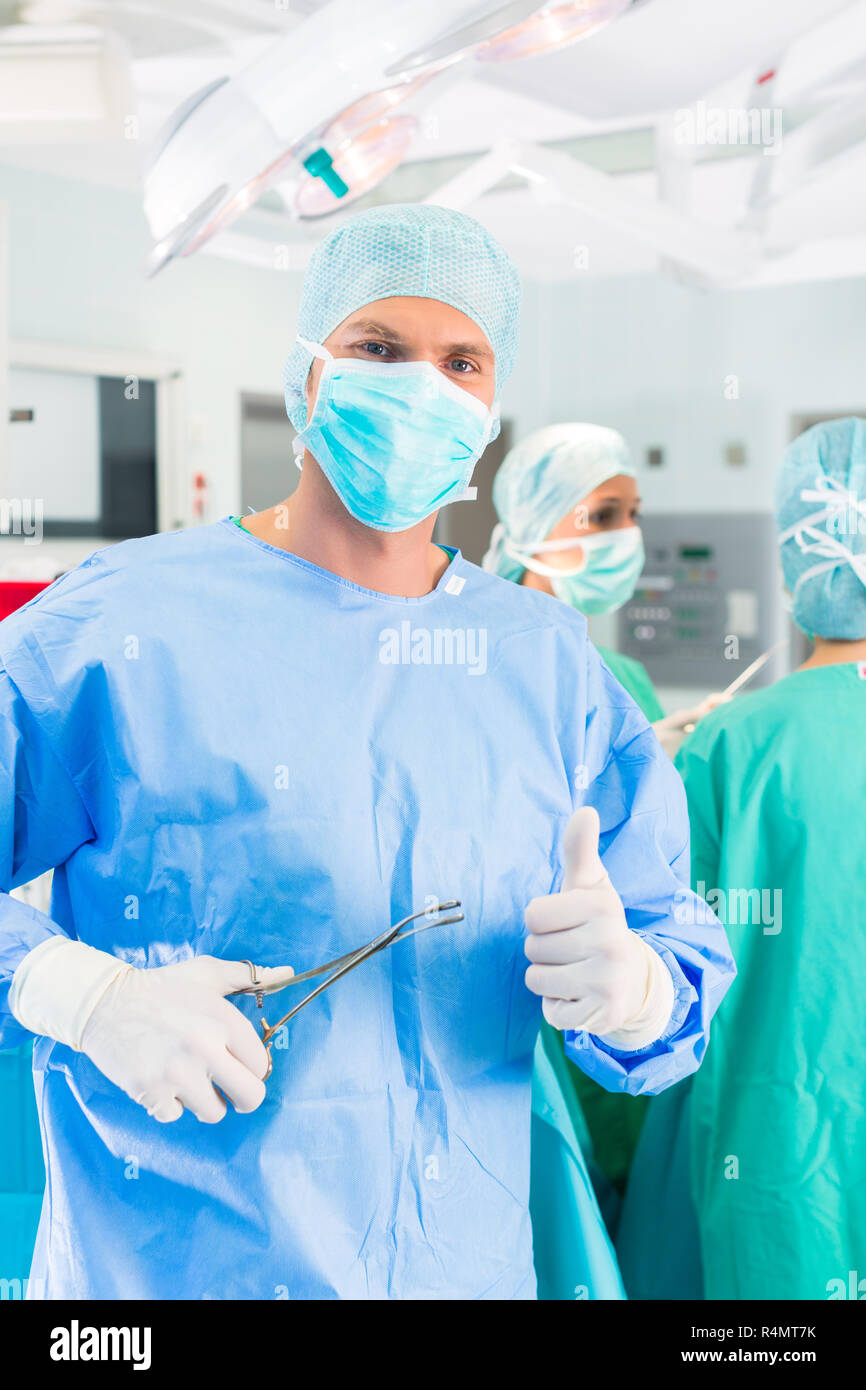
{"x": 544, "y": 477}
{"x": 821, "y": 522}
{"x": 406, "y": 249}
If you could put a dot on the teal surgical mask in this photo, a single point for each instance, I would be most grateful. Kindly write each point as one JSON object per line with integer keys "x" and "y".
{"x": 607, "y": 575}
{"x": 396, "y": 441}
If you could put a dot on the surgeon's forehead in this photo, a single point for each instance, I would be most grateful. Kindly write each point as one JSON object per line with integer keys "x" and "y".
{"x": 408, "y": 320}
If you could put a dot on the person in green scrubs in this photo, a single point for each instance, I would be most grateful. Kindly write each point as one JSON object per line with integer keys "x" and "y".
{"x": 768, "y": 1138}
{"x": 568, "y": 507}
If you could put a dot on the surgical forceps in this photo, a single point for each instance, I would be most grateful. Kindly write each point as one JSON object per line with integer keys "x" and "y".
{"x": 342, "y": 965}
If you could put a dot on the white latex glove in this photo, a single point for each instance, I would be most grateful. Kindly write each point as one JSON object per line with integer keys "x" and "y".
{"x": 671, "y": 730}
{"x": 166, "y": 1036}
{"x": 591, "y": 970}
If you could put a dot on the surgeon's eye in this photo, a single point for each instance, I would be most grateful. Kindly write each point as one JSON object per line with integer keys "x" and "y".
{"x": 374, "y": 349}
{"x": 461, "y": 365}
{"x": 605, "y": 516}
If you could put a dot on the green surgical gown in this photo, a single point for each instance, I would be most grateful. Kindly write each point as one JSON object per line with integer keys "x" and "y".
{"x": 772, "y": 1126}
{"x": 634, "y": 678}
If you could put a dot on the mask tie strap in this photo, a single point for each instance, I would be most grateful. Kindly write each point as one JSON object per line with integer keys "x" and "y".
{"x": 316, "y": 349}
{"x": 812, "y": 538}
{"x": 838, "y": 500}
{"x": 525, "y": 557}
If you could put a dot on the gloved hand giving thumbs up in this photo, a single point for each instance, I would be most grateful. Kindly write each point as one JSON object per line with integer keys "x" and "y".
{"x": 591, "y": 970}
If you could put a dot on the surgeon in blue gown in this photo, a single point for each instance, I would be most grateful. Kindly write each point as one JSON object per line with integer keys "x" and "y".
{"x": 265, "y": 741}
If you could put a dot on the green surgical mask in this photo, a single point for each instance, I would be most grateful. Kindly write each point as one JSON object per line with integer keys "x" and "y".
{"x": 607, "y": 577}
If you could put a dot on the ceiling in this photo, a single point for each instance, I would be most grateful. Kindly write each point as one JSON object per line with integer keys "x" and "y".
{"x": 599, "y": 100}
{"x": 178, "y": 46}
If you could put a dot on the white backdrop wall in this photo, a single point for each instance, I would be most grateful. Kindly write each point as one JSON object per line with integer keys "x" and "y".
{"x": 691, "y": 372}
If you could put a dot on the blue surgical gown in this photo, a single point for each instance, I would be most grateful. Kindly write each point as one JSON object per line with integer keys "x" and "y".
{"x": 224, "y": 749}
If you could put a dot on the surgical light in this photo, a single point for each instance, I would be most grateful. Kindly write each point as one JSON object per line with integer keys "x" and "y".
{"x": 552, "y": 27}
{"x": 360, "y": 163}
{"x": 351, "y": 155}
{"x": 321, "y": 114}
{"x": 241, "y": 201}
{"x": 370, "y": 108}
{"x": 315, "y": 108}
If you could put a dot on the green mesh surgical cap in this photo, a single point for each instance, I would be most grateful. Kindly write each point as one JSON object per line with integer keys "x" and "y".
{"x": 406, "y": 249}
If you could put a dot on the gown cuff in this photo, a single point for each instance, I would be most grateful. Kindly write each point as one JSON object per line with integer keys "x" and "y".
{"x": 654, "y": 1015}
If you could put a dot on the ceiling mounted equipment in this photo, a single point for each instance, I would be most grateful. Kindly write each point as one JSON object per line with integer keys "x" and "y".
{"x": 62, "y": 85}
{"x": 553, "y": 27}
{"x": 331, "y": 108}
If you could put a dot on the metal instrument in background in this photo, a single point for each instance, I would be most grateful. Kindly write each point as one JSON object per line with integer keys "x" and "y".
{"x": 745, "y": 676}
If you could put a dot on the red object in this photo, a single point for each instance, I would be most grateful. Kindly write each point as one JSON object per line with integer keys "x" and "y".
{"x": 14, "y": 593}
{"x": 199, "y": 497}
{"x": 765, "y": 76}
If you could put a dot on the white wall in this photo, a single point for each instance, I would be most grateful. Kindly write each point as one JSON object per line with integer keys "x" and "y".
{"x": 654, "y": 360}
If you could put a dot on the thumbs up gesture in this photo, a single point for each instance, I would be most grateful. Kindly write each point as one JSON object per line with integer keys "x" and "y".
{"x": 591, "y": 970}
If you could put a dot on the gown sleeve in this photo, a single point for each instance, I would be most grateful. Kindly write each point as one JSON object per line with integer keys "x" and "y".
{"x": 644, "y": 845}
{"x": 42, "y": 822}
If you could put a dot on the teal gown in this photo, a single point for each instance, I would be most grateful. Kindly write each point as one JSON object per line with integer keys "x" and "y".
{"x": 22, "y": 1175}
{"x": 751, "y": 1171}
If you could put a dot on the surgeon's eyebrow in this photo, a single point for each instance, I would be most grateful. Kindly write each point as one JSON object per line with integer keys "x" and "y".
{"x": 469, "y": 350}
{"x": 375, "y": 330}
